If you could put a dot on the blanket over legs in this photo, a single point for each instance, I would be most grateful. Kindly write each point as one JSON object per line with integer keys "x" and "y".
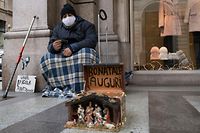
{"x": 67, "y": 72}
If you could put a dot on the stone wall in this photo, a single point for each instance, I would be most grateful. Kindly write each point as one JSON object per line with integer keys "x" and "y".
{"x": 48, "y": 13}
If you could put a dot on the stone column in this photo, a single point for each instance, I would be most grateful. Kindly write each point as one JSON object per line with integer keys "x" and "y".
{"x": 109, "y": 50}
{"x": 123, "y": 31}
{"x": 36, "y": 46}
{"x": 87, "y": 10}
{"x": 132, "y": 37}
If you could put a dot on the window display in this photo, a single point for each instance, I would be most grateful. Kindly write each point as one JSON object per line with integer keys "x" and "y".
{"x": 169, "y": 21}
{"x": 165, "y": 32}
{"x": 192, "y": 17}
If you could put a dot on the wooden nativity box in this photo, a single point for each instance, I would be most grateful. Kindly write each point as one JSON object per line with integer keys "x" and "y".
{"x": 102, "y": 105}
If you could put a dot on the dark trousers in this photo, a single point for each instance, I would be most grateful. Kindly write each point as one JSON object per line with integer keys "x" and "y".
{"x": 196, "y": 41}
{"x": 171, "y": 43}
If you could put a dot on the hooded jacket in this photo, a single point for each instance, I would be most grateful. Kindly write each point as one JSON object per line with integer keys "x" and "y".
{"x": 81, "y": 34}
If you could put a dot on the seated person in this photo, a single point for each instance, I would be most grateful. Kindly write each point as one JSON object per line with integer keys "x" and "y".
{"x": 71, "y": 45}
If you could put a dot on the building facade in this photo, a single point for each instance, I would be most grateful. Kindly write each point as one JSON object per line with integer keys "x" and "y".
{"x": 131, "y": 29}
{"x": 5, "y": 18}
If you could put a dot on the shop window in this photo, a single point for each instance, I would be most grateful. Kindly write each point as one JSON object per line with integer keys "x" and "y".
{"x": 165, "y": 38}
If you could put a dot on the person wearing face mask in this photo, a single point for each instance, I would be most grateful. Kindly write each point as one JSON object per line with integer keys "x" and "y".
{"x": 71, "y": 45}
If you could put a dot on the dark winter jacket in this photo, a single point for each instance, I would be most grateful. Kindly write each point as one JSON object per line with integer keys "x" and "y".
{"x": 81, "y": 35}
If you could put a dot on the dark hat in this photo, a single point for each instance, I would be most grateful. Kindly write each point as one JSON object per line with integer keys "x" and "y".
{"x": 67, "y": 8}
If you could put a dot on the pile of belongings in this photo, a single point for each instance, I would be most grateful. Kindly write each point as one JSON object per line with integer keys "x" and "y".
{"x": 128, "y": 76}
{"x": 56, "y": 92}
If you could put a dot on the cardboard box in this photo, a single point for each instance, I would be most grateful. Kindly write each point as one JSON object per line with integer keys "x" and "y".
{"x": 102, "y": 105}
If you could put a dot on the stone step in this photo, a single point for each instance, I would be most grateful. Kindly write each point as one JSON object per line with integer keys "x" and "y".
{"x": 171, "y": 77}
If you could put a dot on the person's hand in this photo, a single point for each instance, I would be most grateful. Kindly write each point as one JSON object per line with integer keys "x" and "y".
{"x": 57, "y": 45}
{"x": 67, "y": 52}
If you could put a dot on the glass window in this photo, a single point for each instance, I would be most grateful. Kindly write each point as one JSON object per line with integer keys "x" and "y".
{"x": 2, "y": 26}
{"x": 167, "y": 34}
{"x": 2, "y": 31}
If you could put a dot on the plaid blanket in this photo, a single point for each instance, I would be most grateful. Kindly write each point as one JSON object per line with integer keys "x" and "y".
{"x": 67, "y": 72}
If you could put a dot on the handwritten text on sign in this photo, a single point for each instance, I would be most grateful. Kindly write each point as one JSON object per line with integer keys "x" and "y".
{"x": 105, "y": 76}
{"x": 25, "y": 83}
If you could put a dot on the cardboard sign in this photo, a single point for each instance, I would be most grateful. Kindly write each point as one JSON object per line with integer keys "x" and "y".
{"x": 104, "y": 76}
{"x": 25, "y": 83}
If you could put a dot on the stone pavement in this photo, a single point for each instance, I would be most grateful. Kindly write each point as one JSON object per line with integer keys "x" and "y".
{"x": 168, "y": 109}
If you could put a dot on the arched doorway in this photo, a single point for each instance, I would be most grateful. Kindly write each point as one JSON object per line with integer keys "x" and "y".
{"x": 150, "y": 30}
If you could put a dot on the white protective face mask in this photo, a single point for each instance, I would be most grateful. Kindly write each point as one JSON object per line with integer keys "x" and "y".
{"x": 69, "y": 21}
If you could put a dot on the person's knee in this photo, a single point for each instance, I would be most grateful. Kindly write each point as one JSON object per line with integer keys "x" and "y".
{"x": 87, "y": 49}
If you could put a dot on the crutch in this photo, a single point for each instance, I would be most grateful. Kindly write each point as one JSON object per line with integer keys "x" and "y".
{"x": 18, "y": 59}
